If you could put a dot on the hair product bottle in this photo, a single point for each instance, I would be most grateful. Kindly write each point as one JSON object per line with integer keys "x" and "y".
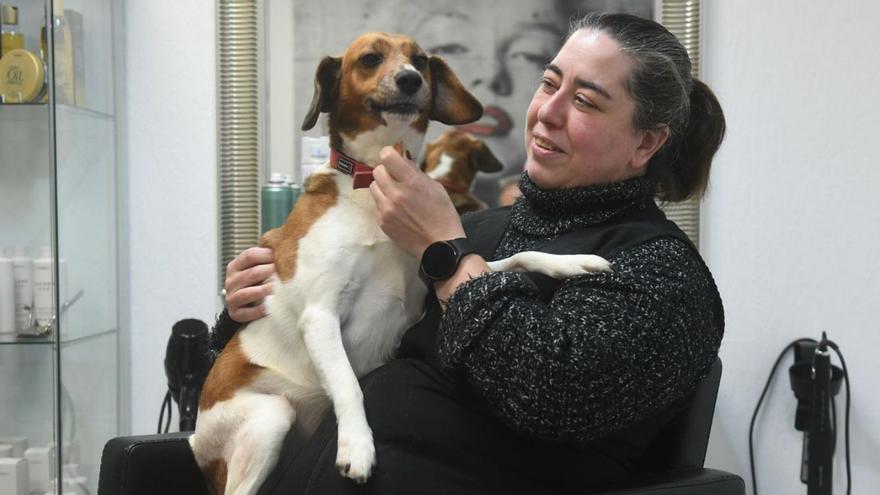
{"x": 44, "y": 289}
{"x": 10, "y": 37}
{"x": 23, "y": 273}
{"x": 276, "y": 201}
{"x": 64, "y": 76}
{"x": 22, "y": 77}
{"x": 7, "y": 294}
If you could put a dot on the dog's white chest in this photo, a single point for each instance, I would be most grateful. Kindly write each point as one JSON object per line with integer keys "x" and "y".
{"x": 348, "y": 265}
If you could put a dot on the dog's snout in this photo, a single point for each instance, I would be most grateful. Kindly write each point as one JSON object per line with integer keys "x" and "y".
{"x": 409, "y": 81}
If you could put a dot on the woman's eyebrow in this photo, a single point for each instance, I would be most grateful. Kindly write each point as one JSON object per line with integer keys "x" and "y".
{"x": 581, "y": 83}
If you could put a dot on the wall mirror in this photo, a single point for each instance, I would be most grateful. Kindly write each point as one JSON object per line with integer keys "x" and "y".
{"x": 497, "y": 47}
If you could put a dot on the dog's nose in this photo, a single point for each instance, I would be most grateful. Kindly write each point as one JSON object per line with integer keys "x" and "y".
{"x": 409, "y": 81}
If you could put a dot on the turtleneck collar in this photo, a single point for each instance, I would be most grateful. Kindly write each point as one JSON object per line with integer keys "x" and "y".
{"x": 548, "y": 212}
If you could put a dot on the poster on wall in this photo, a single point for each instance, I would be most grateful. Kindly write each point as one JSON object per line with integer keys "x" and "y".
{"x": 498, "y": 48}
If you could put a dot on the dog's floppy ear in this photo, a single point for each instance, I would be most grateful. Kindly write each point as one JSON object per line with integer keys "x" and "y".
{"x": 484, "y": 160}
{"x": 428, "y": 149}
{"x": 326, "y": 83}
{"x": 453, "y": 104}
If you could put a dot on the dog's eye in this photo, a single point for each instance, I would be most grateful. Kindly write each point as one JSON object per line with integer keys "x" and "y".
{"x": 371, "y": 59}
{"x": 419, "y": 61}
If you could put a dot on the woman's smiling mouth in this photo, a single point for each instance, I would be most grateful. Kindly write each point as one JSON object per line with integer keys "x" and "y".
{"x": 545, "y": 144}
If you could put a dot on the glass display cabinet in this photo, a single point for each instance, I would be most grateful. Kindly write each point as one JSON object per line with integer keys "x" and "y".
{"x": 59, "y": 229}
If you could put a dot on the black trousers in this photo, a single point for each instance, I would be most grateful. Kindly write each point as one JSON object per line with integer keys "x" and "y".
{"x": 431, "y": 437}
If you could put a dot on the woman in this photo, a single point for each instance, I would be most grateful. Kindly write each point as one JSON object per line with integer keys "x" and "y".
{"x": 515, "y": 383}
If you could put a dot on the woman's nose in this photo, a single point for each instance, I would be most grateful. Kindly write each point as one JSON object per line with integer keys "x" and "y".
{"x": 551, "y": 113}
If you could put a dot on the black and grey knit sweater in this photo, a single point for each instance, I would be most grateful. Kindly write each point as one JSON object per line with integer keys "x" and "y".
{"x": 608, "y": 350}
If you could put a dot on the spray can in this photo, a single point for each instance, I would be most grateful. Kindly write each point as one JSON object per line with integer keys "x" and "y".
{"x": 295, "y": 190}
{"x": 276, "y": 201}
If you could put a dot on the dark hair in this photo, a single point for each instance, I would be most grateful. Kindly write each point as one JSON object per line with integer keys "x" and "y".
{"x": 665, "y": 93}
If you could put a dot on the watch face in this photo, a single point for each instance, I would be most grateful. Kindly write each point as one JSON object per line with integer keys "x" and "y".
{"x": 439, "y": 260}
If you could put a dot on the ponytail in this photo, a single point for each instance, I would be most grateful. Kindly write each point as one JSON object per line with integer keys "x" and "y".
{"x": 681, "y": 168}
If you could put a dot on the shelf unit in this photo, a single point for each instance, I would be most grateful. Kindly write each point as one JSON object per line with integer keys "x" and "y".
{"x": 60, "y": 182}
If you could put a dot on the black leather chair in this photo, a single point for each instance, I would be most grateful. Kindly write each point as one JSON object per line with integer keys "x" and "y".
{"x": 164, "y": 464}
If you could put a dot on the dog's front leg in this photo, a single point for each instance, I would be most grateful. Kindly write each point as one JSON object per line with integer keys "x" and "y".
{"x": 355, "y": 454}
{"x": 553, "y": 265}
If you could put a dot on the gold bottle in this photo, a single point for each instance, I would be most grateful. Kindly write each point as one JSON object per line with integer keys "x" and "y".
{"x": 10, "y": 37}
{"x": 22, "y": 77}
{"x": 64, "y": 75}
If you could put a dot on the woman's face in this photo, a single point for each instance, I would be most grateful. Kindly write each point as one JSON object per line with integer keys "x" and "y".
{"x": 500, "y": 65}
{"x": 579, "y": 123}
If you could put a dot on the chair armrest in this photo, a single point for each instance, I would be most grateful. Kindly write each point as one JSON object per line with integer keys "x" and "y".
{"x": 150, "y": 464}
{"x": 693, "y": 481}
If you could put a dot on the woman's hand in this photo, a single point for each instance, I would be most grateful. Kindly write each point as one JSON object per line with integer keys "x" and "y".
{"x": 247, "y": 283}
{"x": 413, "y": 209}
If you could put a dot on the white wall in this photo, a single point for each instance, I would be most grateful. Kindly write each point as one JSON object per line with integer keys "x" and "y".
{"x": 171, "y": 155}
{"x": 791, "y": 227}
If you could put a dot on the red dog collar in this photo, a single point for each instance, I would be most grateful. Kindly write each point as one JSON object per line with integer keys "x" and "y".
{"x": 361, "y": 172}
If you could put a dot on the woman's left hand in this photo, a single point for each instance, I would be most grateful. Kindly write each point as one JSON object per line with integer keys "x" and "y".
{"x": 413, "y": 209}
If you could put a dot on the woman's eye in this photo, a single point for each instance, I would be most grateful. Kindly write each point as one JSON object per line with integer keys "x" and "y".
{"x": 371, "y": 59}
{"x": 449, "y": 49}
{"x": 419, "y": 62}
{"x": 583, "y": 101}
{"x": 548, "y": 85}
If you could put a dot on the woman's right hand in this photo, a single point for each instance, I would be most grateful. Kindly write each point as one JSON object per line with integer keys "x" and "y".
{"x": 247, "y": 284}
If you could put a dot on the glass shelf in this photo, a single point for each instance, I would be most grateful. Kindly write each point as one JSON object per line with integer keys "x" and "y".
{"x": 13, "y": 339}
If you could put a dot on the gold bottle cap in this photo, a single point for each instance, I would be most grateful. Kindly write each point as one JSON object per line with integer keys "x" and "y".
{"x": 22, "y": 76}
{"x": 9, "y": 15}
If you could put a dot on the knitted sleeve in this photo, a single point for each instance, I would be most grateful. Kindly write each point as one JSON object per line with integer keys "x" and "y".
{"x": 605, "y": 352}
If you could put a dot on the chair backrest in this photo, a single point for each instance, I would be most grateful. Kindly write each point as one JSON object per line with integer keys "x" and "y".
{"x": 683, "y": 442}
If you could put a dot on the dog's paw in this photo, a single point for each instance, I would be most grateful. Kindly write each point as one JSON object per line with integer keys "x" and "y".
{"x": 560, "y": 265}
{"x": 356, "y": 455}
{"x": 590, "y": 263}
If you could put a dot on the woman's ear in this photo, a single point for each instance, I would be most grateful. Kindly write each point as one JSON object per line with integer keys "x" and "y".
{"x": 453, "y": 104}
{"x": 652, "y": 141}
{"x": 326, "y": 83}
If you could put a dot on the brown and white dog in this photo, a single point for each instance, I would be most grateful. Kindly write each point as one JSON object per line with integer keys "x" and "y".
{"x": 344, "y": 291}
{"x": 453, "y": 159}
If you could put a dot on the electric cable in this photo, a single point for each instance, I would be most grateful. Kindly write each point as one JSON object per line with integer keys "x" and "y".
{"x": 166, "y": 404}
{"x": 170, "y": 412}
{"x": 834, "y": 346}
{"x": 758, "y": 406}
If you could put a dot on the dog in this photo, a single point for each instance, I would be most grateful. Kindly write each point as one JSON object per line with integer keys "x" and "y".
{"x": 343, "y": 291}
{"x": 453, "y": 159}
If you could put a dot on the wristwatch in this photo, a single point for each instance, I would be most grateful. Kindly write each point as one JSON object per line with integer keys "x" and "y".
{"x": 440, "y": 259}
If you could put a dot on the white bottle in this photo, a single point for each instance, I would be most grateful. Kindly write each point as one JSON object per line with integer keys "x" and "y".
{"x": 44, "y": 288}
{"x": 7, "y": 294}
{"x": 41, "y": 467}
{"x": 14, "y": 478}
{"x": 314, "y": 152}
{"x": 23, "y": 272}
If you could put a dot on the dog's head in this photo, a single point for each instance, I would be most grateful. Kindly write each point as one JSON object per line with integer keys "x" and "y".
{"x": 456, "y": 157}
{"x": 453, "y": 159}
{"x": 384, "y": 89}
